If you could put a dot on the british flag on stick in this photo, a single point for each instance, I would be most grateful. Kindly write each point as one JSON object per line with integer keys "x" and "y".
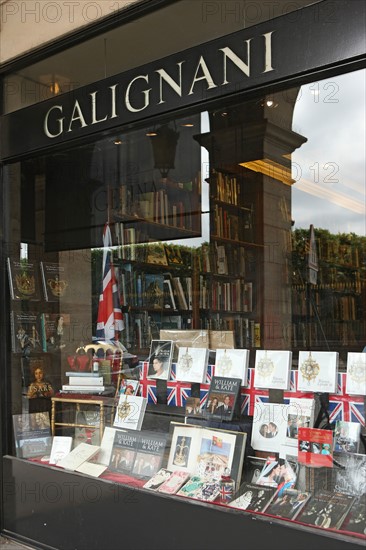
{"x": 110, "y": 318}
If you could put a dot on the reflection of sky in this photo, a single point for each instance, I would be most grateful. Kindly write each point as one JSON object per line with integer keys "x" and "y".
{"x": 329, "y": 168}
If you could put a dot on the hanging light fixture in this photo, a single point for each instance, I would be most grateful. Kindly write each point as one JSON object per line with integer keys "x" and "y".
{"x": 164, "y": 145}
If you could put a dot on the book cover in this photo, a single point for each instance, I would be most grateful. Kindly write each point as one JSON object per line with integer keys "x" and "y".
{"x": 317, "y": 371}
{"x": 61, "y": 446}
{"x": 85, "y": 380}
{"x": 208, "y": 491}
{"x": 356, "y": 373}
{"x": 272, "y": 369}
{"x": 193, "y": 407}
{"x": 222, "y": 398}
{"x": 55, "y": 328}
{"x": 158, "y": 479}
{"x": 138, "y": 454}
{"x": 129, "y": 386}
{"x": 206, "y": 452}
{"x": 269, "y": 426}
{"x": 24, "y": 281}
{"x": 277, "y": 473}
{"x": 174, "y": 483}
{"x": 55, "y": 281}
{"x": 232, "y": 363}
{"x": 153, "y": 292}
{"x": 192, "y": 364}
{"x": 25, "y": 332}
{"x": 347, "y": 437}
{"x": 91, "y": 469}
{"x": 32, "y": 434}
{"x": 106, "y": 446}
{"x": 253, "y": 466}
{"x": 315, "y": 447}
{"x": 300, "y": 414}
{"x": 160, "y": 359}
{"x": 191, "y": 488}
{"x": 348, "y": 474}
{"x": 156, "y": 254}
{"x": 173, "y": 255}
{"x": 355, "y": 521}
{"x": 287, "y": 505}
{"x": 326, "y": 509}
{"x": 83, "y": 388}
{"x": 80, "y": 454}
{"x": 130, "y": 412}
{"x": 169, "y": 296}
{"x": 252, "y": 497}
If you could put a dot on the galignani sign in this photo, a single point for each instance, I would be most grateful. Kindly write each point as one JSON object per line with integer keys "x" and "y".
{"x": 139, "y": 93}
{"x": 323, "y": 35}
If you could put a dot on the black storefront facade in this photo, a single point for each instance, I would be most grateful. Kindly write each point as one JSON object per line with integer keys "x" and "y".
{"x": 61, "y": 179}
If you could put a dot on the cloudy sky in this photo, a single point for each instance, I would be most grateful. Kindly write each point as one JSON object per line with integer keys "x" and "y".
{"x": 330, "y": 168}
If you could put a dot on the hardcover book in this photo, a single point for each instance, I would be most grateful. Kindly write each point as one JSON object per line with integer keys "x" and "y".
{"x": 277, "y": 473}
{"x": 23, "y": 280}
{"x": 192, "y": 487}
{"x": 80, "y": 454}
{"x": 355, "y": 521}
{"x": 318, "y": 371}
{"x": 272, "y": 369}
{"x": 138, "y": 454}
{"x": 86, "y": 380}
{"x": 129, "y": 386}
{"x": 201, "y": 488}
{"x": 193, "y": 407}
{"x": 300, "y": 414}
{"x": 347, "y": 437}
{"x": 252, "y": 497}
{"x": 206, "y": 452}
{"x": 55, "y": 329}
{"x": 326, "y": 509}
{"x": 160, "y": 359}
{"x": 174, "y": 483}
{"x": 253, "y": 465}
{"x": 25, "y": 332}
{"x": 315, "y": 447}
{"x": 232, "y": 363}
{"x": 222, "y": 398}
{"x": 287, "y": 505}
{"x": 130, "y": 412}
{"x": 54, "y": 281}
{"x": 91, "y": 469}
{"x": 192, "y": 365}
{"x": 158, "y": 479}
{"x": 61, "y": 446}
{"x": 349, "y": 473}
{"x": 269, "y": 426}
{"x": 356, "y": 373}
{"x": 32, "y": 434}
{"x": 153, "y": 291}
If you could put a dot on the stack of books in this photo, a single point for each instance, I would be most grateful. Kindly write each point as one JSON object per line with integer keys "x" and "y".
{"x": 84, "y": 382}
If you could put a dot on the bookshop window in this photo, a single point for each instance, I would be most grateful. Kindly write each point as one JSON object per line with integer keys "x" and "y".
{"x": 181, "y": 272}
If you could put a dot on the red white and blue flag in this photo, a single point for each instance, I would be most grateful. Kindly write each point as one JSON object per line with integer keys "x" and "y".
{"x": 110, "y": 318}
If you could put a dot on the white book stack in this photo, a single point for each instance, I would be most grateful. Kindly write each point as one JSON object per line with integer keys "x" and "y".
{"x": 84, "y": 382}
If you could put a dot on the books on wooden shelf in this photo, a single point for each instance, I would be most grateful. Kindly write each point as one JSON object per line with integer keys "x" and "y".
{"x": 206, "y": 452}
{"x": 347, "y": 437}
{"x": 272, "y": 369}
{"x": 222, "y": 398}
{"x": 160, "y": 359}
{"x": 24, "y": 281}
{"x": 32, "y": 434}
{"x": 130, "y": 412}
{"x": 326, "y": 509}
{"x": 55, "y": 280}
{"x": 78, "y": 455}
{"x": 315, "y": 447}
{"x": 138, "y": 454}
{"x": 356, "y": 373}
{"x": 252, "y": 497}
{"x": 61, "y": 446}
{"x": 317, "y": 371}
{"x": 192, "y": 364}
{"x": 232, "y": 363}
{"x": 269, "y": 426}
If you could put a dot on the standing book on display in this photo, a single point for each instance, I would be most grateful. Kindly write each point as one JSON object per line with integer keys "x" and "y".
{"x": 300, "y": 414}
{"x": 130, "y": 412}
{"x": 318, "y": 371}
{"x": 26, "y": 336}
{"x": 192, "y": 364}
{"x": 160, "y": 359}
{"x": 232, "y": 363}
{"x": 32, "y": 434}
{"x": 326, "y": 509}
{"x": 272, "y": 369}
{"x": 54, "y": 281}
{"x": 269, "y": 426}
{"x": 222, "y": 399}
{"x": 356, "y": 373}
{"x": 315, "y": 447}
{"x": 24, "y": 281}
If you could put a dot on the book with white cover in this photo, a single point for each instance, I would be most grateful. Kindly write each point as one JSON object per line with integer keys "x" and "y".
{"x": 85, "y": 380}
{"x": 61, "y": 446}
{"x": 80, "y": 454}
{"x": 272, "y": 369}
{"x": 356, "y": 373}
{"x": 269, "y": 426}
{"x": 106, "y": 446}
{"x": 130, "y": 412}
{"x": 232, "y": 363}
{"x": 318, "y": 371}
{"x": 91, "y": 469}
{"x": 300, "y": 414}
{"x": 192, "y": 364}
{"x": 83, "y": 388}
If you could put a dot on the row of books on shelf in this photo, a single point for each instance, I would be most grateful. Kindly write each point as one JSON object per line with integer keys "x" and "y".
{"x": 226, "y": 188}
{"x": 197, "y": 462}
{"x": 334, "y": 251}
{"x": 231, "y": 226}
{"x": 344, "y": 333}
{"x": 234, "y": 295}
{"x": 334, "y": 306}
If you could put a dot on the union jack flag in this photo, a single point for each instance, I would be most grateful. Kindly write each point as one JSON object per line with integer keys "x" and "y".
{"x": 147, "y": 387}
{"x": 346, "y": 407}
{"x": 110, "y": 319}
{"x": 178, "y": 392}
